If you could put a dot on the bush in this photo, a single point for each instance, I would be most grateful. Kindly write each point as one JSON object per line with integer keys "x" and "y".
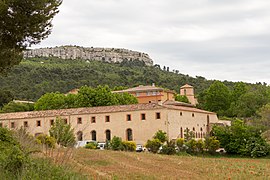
{"x": 161, "y": 136}
{"x": 153, "y": 145}
{"x": 91, "y": 145}
{"x": 211, "y": 144}
{"x": 116, "y": 144}
{"x": 180, "y": 144}
{"x": 129, "y": 145}
{"x": 169, "y": 148}
{"x": 47, "y": 140}
{"x": 191, "y": 146}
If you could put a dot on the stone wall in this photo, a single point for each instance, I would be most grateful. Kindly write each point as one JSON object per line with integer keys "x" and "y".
{"x": 98, "y": 54}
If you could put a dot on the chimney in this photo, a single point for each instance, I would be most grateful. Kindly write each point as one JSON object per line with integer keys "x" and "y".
{"x": 153, "y": 84}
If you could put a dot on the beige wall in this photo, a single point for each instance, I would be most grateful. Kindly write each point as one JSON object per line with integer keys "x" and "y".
{"x": 142, "y": 129}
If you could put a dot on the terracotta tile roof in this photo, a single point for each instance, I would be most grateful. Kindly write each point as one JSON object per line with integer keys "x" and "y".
{"x": 187, "y": 86}
{"x": 177, "y": 103}
{"x": 74, "y": 111}
{"x": 185, "y": 108}
{"x": 141, "y": 88}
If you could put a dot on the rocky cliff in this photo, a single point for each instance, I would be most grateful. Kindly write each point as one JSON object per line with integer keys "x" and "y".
{"x": 98, "y": 54}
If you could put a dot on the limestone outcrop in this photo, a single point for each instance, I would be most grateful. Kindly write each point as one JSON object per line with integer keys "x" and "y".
{"x": 98, "y": 54}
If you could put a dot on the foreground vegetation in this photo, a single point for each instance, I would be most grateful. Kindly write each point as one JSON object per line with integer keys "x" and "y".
{"x": 100, "y": 164}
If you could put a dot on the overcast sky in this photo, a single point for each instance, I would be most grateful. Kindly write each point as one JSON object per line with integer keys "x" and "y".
{"x": 216, "y": 39}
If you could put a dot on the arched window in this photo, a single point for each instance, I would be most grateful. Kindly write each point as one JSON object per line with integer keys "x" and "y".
{"x": 94, "y": 135}
{"x": 79, "y": 136}
{"x": 181, "y": 132}
{"x": 108, "y": 134}
{"x": 129, "y": 135}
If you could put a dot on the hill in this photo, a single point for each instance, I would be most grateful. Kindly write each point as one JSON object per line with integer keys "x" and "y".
{"x": 36, "y": 76}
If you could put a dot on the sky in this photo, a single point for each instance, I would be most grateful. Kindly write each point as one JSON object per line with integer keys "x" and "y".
{"x": 216, "y": 39}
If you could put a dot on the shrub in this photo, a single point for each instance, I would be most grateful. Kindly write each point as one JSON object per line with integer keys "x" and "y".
{"x": 116, "y": 144}
{"x": 191, "y": 146}
{"x": 46, "y": 140}
{"x": 161, "y": 136}
{"x": 180, "y": 144}
{"x": 200, "y": 146}
{"x": 169, "y": 148}
{"x": 211, "y": 144}
{"x": 91, "y": 145}
{"x": 153, "y": 145}
{"x": 129, "y": 145}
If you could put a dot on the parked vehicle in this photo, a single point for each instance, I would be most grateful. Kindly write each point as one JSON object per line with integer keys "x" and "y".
{"x": 83, "y": 143}
{"x": 139, "y": 148}
{"x": 101, "y": 145}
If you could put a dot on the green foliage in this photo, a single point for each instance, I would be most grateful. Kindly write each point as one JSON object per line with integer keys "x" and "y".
{"x": 181, "y": 98}
{"x": 17, "y": 107}
{"x": 129, "y": 146}
{"x": 116, "y": 144}
{"x": 63, "y": 133}
{"x": 153, "y": 145}
{"x": 188, "y": 135}
{"x": 91, "y": 145}
{"x": 241, "y": 139}
{"x": 5, "y": 97}
{"x": 168, "y": 148}
{"x": 23, "y": 23}
{"x": 211, "y": 144}
{"x": 161, "y": 136}
{"x": 191, "y": 146}
{"x": 217, "y": 98}
{"x": 51, "y": 101}
{"x": 180, "y": 144}
{"x": 46, "y": 140}
{"x": 86, "y": 97}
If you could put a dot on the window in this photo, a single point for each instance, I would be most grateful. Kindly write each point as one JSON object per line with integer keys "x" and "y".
{"x": 79, "y": 135}
{"x": 129, "y": 135}
{"x": 51, "y": 122}
{"x": 93, "y": 119}
{"x": 94, "y": 135}
{"x": 181, "y": 114}
{"x": 108, "y": 134}
{"x": 137, "y": 94}
{"x": 207, "y": 118}
{"x": 12, "y": 124}
{"x": 193, "y": 129}
{"x": 79, "y": 120}
{"x": 25, "y": 124}
{"x": 201, "y": 129}
{"x": 181, "y": 132}
{"x": 38, "y": 123}
{"x": 154, "y": 93}
{"x": 1, "y": 124}
{"x": 192, "y": 114}
{"x": 128, "y": 117}
{"x": 107, "y": 118}
{"x": 157, "y": 115}
{"x": 143, "y": 116}
{"x": 65, "y": 121}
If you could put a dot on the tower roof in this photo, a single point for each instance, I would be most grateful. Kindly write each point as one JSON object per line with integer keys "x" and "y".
{"x": 186, "y": 86}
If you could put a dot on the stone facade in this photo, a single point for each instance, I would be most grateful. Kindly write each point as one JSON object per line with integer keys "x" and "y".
{"x": 94, "y": 123}
{"x": 99, "y": 54}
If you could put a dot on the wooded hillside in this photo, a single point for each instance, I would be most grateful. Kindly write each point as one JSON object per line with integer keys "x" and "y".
{"x": 36, "y": 76}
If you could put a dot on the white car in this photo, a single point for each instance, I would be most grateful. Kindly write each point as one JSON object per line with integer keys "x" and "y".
{"x": 101, "y": 145}
{"x": 139, "y": 148}
{"x": 83, "y": 143}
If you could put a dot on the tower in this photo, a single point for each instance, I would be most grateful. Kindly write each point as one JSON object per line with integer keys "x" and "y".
{"x": 188, "y": 90}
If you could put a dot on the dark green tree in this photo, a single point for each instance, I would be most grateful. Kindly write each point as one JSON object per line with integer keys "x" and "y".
{"x": 217, "y": 98}
{"x": 181, "y": 98}
{"x": 51, "y": 101}
{"x": 23, "y": 23}
{"x": 5, "y": 97}
{"x": 17, "y": 107}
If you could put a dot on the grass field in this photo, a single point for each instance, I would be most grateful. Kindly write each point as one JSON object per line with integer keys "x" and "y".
{"x": 98, "y": 164}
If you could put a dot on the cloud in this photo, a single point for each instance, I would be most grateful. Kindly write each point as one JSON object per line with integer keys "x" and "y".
{"x": 215, "y": 39}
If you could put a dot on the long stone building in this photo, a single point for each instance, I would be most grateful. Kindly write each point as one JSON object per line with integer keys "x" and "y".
{"x": 137, "y": 122}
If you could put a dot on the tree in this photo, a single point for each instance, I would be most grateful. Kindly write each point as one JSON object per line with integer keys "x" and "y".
{"x": 161, "y": 136}
{"x": 17, "y": 107}
{"x": 51, "y": 101}
{"x": 5, "y": 97}
{"x": 217, "y": 98}
{"x": 63, "y": 133}
{"x": 181, "y": 98}
{"x": 23, "y": 23}
{"x": 241, "y": 139}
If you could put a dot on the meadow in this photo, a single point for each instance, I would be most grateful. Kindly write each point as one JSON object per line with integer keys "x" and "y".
{"x": 103, "y": 164}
